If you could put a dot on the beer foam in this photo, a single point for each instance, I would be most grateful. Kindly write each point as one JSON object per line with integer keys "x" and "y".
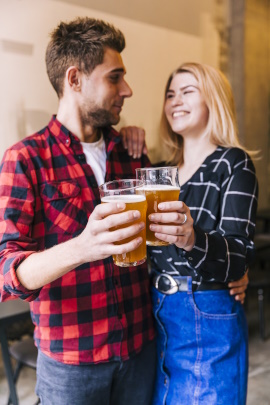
{"x": 158, "y": 187}
{"x": 127, "y": 199}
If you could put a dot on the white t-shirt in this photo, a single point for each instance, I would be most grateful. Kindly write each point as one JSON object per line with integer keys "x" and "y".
{"x": 95, "y": 154}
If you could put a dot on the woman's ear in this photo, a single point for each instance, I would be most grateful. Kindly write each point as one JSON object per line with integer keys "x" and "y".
{"x": 73, "y": 78}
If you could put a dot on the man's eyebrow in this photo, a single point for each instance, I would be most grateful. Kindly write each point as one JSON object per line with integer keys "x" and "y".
{"x": 117, "y": 70}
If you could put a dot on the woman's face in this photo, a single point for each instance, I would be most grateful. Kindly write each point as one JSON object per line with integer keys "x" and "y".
{"x": 185, "y": 107}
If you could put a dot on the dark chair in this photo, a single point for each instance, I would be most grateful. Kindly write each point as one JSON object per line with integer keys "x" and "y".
{"x": 25, "y": 353}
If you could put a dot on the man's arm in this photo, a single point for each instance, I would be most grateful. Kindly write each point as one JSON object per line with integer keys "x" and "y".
{"x": 96, "y": 242}
{"x": 133, "y": 139}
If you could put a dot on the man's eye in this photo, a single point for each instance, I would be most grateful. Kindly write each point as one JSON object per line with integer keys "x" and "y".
{"x": 114, "y": 79}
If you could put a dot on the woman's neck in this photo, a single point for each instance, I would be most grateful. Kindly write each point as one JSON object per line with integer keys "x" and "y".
{"x": 194, "y": 154}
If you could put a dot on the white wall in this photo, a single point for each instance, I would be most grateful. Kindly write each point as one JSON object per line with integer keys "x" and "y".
{"x": 27, "y": 99}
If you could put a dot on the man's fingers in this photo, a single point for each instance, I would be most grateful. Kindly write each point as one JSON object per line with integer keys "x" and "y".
{"x": 133, "y": 139}
{"x": 103, "y": 210}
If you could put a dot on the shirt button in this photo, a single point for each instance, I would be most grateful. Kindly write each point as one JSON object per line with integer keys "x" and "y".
{"x": 158, "y": 301}
{"x": 161, "y": 355}
{"x": 165, "y": 381}
{"x": 115, "y": 281}
{"x": 190, "y": 258}
{"x": 119, "y": 316}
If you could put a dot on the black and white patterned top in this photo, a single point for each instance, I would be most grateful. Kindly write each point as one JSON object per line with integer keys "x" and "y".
{"x": 222, "y": 198}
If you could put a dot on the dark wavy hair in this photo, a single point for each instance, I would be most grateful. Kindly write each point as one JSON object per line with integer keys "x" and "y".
{"x": 79, "y": 43}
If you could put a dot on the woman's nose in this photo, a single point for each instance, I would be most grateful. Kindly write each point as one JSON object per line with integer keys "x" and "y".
{"x": 177, "y": 99}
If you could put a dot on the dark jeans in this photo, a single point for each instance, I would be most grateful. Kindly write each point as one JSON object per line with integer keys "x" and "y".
{"x": 115, "y": 383}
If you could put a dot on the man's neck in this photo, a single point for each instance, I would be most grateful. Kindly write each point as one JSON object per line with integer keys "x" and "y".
{"x": 70, "y": 118}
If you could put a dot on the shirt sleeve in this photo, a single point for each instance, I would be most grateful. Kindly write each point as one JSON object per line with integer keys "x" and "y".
{"x": 225, "y": 253}
{"x": 16, "y": 216}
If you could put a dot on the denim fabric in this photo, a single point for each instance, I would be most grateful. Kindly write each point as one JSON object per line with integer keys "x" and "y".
{"x": 115, "y": 383}
{"x": 202, "y": 346}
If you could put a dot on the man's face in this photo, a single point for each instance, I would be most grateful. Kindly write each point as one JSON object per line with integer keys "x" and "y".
{"x": 103, "y": 92}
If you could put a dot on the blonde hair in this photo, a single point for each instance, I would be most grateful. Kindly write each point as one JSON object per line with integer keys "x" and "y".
{"x": 221, "y": 126}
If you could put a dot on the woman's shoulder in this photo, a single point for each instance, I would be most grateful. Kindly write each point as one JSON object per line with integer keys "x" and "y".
{"x": 235, "y": 157}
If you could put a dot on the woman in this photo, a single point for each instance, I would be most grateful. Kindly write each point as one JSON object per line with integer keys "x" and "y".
{"x": 201, "y": 329}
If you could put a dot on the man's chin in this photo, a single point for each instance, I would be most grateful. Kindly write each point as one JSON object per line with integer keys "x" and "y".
{"x": 115, "y": 120}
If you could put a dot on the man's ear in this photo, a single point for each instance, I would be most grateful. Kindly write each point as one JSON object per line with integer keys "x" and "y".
{"x": 73, "y": 78}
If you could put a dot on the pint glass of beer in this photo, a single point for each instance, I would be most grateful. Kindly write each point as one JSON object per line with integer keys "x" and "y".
{"x": 126, "y": 191}
{"x": 160, "y": 184}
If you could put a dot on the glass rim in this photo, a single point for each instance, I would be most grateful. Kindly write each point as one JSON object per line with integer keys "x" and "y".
{"x": 138, "y": 181}
{"x": 156, "y": 168}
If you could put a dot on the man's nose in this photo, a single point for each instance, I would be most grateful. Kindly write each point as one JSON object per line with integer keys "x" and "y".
{"x": 125, "y": 90}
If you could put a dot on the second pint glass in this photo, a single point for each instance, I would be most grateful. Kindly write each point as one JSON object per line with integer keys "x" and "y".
{"x": 160, "y": 184}
{"x": 126, "y": 191}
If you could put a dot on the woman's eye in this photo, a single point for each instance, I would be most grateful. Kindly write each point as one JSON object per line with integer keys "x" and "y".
{"x": 188, "y": 91}
{"x": 169, "y": 95}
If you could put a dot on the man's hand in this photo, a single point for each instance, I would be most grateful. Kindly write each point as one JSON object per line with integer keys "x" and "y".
{"x": 133, "y": 139}
{"x": 238, "y": 288}
{"x": 96, "y": 242}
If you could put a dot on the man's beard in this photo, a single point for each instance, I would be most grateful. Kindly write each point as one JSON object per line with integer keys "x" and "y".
{"x": 99, "y": 118}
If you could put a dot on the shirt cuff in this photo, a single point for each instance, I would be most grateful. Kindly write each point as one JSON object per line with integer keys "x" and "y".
{"x": 13, "y": 285}
{"x": 199, "y": 252}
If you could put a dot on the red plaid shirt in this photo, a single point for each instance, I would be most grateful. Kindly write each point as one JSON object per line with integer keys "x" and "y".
{"x": 98, "y": 311}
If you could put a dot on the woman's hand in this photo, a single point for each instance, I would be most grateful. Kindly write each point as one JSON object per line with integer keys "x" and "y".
{"x": 133, "y": 139}
{"x": 174, "y": 224}
{"x": 238, "y": 288}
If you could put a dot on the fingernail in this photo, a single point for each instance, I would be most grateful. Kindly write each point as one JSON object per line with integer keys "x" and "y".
{"x": 151, "y": 217}
{"x": 120, "y": 206}
{"x": 136, "y": 214}
{"x": 161, "y": 206}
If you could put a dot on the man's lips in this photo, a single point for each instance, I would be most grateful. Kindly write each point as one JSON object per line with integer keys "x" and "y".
{"x": 118, "y": 106}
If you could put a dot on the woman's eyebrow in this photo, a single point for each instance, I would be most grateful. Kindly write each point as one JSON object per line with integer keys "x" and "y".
{"x": 189, "y": 85}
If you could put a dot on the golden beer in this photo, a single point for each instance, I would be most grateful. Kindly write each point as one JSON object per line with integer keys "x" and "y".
{"x": 133, "y": 202}
{"x": 156, "y": 194}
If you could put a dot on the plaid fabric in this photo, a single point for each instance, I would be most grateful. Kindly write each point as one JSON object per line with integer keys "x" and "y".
{"x": 222, "y": 198}
{"x": 98, "y": 311}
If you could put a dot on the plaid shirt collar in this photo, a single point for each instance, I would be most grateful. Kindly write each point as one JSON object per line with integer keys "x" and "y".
{"x": 63, "y": 134}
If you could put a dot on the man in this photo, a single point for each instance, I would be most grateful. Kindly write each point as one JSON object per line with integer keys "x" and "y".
{"x": 93, "y": 322}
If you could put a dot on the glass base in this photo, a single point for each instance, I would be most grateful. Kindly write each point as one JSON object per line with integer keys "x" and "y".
{"x": 125, "y": 264}
{"x": 158, "y": 243}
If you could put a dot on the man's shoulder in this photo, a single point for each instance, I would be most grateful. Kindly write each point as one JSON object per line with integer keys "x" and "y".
{"x": 33, "y": 140}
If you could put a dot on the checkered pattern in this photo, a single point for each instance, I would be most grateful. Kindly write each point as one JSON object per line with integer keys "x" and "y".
{"x": 222, "y": 198}
{"x": 98, "y": 311}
